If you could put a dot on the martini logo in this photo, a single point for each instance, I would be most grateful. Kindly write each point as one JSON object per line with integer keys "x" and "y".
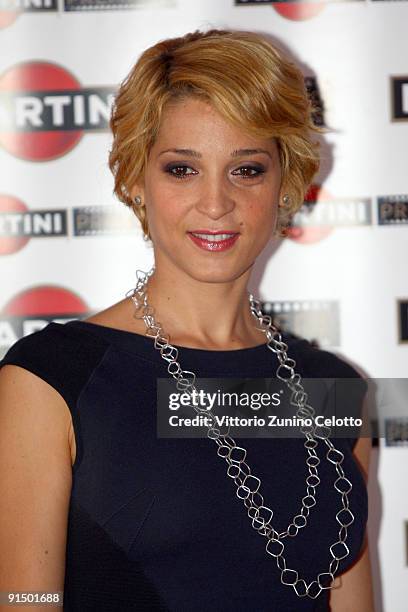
{"x": 295, "y": 10}
{"x": 11, "y": 9}
{"x": 104, "y": 220}
{"x": 32, "y": 309}
{"x": 392, "y": 210}
{"x": 18, "y": 224}
{"x": 402, "y": 306}
{"x": 321, "y": 213}
{"x": 315, "y": 320}
{"x": 112, "y": 5}
{"x": 399, "y": 98}
{"x": 44, "y": 110}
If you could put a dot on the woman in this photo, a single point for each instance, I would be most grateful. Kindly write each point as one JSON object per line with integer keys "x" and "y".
{"x": 212, "y": 149}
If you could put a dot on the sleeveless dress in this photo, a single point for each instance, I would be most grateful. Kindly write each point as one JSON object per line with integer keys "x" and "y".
{"x": 155, "y": 523}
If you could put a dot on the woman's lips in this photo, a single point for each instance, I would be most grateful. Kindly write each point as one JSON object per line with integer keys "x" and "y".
{"x": 208, "y": 244}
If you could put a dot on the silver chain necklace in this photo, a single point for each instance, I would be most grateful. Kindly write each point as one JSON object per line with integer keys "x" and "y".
{"x": 248, "y": 485}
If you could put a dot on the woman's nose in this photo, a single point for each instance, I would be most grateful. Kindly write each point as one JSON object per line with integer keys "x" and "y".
{"x": 215, "y": 200}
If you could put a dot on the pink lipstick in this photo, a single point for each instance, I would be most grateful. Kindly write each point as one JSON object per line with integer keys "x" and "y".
{"x": 211, "y": 240}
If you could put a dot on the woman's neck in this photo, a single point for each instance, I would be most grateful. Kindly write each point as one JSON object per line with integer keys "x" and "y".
{"x": 204, "y": 315}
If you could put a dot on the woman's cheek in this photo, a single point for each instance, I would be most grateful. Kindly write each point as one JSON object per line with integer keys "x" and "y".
{"x": 262, "y": 216}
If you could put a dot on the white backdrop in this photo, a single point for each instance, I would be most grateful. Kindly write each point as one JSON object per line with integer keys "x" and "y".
{"x": 67, "y": 248}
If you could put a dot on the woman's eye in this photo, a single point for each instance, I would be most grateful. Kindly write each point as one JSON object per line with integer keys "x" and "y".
{"x": 179, "y": 171}
{"x": 250, "y": 171}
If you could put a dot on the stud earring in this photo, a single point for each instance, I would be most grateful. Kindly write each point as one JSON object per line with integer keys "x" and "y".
{"x": 285, "y": 198}
{"x": 137, "y": 200}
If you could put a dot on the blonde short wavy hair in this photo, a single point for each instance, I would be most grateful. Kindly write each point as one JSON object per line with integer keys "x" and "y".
{"x": 247, "y": 80}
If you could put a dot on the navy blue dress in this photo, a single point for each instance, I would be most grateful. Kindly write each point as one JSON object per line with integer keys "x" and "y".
{"x": 155, "y": 523}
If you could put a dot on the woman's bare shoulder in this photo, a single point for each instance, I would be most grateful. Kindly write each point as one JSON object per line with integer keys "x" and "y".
{"x": 36, "y": 481}
{"x": 42, "y": 373}
{"x": 35, "y": 407}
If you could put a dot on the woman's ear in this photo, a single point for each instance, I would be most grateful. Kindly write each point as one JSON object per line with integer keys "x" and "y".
{"x": 137, "y": 195}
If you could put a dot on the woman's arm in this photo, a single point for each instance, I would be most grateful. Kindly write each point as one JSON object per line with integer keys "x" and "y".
{"x": 35, "y": 484}
{"x": 355, "y": 592}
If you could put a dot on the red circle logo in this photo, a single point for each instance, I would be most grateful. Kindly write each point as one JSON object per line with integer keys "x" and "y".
{"x": 19, "y": 81}
{"x": 44, "y": 301}
{"x": 311, "y": 234}
{"x": 299, "y": 11}
{"x": 8, "y": 17}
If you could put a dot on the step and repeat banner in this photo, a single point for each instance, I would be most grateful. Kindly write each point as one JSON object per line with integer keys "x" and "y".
{"x": 69, "y": 249}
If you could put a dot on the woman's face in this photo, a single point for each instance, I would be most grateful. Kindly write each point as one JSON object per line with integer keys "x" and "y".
{"x": 205, "y": 175}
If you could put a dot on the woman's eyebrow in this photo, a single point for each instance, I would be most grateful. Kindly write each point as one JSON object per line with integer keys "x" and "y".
{"x": 186, "y": 152}
{"x": 243, "y": 152}
{"x": 236, "y": 153}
